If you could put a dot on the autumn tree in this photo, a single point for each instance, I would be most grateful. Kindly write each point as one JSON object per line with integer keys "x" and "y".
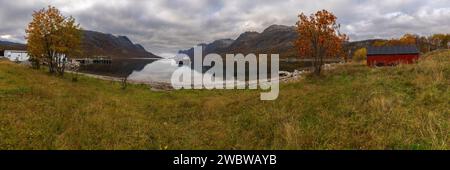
{"x": 407, "y": 39}
{"x": 440, "y": 41}
{"x": 52, "y": 38}
{"x": 319, "y": 38}
{"x": 379, "y": 43}
{"x": 424, "y": 44}
{"x": 360, "y": 55}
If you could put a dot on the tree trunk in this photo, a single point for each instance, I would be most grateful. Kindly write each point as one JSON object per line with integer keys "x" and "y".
{"x": 317, "y": 70}
{"x": 63, "y": 66}
{"x": 124, "y": 83}
{"x": 50, "y": 65}
{"x": 35, "y": 63}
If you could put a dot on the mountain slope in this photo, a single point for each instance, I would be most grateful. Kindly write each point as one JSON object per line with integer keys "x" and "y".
{"x": 276, "y": 39}
{"x": 99, "y": 44}
{"x": 6, "y": 45}
{"x": 218, "y": 46}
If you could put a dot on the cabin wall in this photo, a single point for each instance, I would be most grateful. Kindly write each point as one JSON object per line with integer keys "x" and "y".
{"x": 389, "y": 60}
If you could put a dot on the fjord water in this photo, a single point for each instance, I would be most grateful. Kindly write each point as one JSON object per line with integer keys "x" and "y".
{"x": 160, "y": 70}
{"x": 117, "y": 67}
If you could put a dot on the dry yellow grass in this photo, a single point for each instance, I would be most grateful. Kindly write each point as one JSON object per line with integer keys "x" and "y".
{"x": 351, "y": 107}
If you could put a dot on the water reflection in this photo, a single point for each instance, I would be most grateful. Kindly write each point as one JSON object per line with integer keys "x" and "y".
{"x": 117, "y": 67}
{"x": 161, "y": 70}
{"x": 158, "y": 71}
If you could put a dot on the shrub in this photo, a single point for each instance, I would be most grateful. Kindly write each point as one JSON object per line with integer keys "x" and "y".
{"x": 360, "y": 55}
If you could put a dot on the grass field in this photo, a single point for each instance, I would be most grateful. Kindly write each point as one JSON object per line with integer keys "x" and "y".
{"x": 351, "y": 107}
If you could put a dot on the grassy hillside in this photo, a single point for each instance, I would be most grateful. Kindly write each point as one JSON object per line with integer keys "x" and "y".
{"x": 351, "y": 107}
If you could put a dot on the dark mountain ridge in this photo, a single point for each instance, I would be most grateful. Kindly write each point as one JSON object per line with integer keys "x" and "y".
{"x": 99, "y": 44}
{"x": 218, "y": 46}
{"x": 275, "y": 39}
{"x": 6, "y": 45}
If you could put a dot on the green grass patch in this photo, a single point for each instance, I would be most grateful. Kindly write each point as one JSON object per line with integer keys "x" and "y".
{"x": 351, "y": 107}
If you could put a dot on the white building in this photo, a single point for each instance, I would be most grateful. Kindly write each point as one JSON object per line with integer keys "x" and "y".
{"x": 16, "y": 55}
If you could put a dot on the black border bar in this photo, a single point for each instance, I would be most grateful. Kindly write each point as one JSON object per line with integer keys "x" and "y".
{"x": 284, "y": 159}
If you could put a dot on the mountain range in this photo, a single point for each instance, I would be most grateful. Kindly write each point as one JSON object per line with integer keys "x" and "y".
{"x": 6, "y": 45}
{"x": 99, "y": 44}
{"x": 276, "y": 39}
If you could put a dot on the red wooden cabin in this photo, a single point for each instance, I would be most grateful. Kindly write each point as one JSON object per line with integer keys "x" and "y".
{"x": 392, "y": 55}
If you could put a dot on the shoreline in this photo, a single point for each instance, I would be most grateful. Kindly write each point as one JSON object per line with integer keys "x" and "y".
{"x": 154, "y": 85}
{"x": 164, "y": 86}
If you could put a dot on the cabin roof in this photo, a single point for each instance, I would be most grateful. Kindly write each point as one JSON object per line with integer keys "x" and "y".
{"x": 386, "y": 50}
{"x": 16, "y": 51}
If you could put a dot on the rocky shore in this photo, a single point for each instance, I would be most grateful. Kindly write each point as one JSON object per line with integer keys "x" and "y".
{"x": 286, "y": 77}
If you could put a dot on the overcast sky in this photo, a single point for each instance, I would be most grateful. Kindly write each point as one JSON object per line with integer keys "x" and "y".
{"x": 165, "y": 26}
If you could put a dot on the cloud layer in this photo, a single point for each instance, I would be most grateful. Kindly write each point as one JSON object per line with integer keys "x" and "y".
{"x": 165, "y": 26}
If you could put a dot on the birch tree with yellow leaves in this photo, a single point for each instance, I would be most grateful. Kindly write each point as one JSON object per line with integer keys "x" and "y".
{"x": 52, "y": 38}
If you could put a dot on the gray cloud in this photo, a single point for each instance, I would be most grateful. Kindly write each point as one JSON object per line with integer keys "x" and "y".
{"x": 165, "y": 26}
